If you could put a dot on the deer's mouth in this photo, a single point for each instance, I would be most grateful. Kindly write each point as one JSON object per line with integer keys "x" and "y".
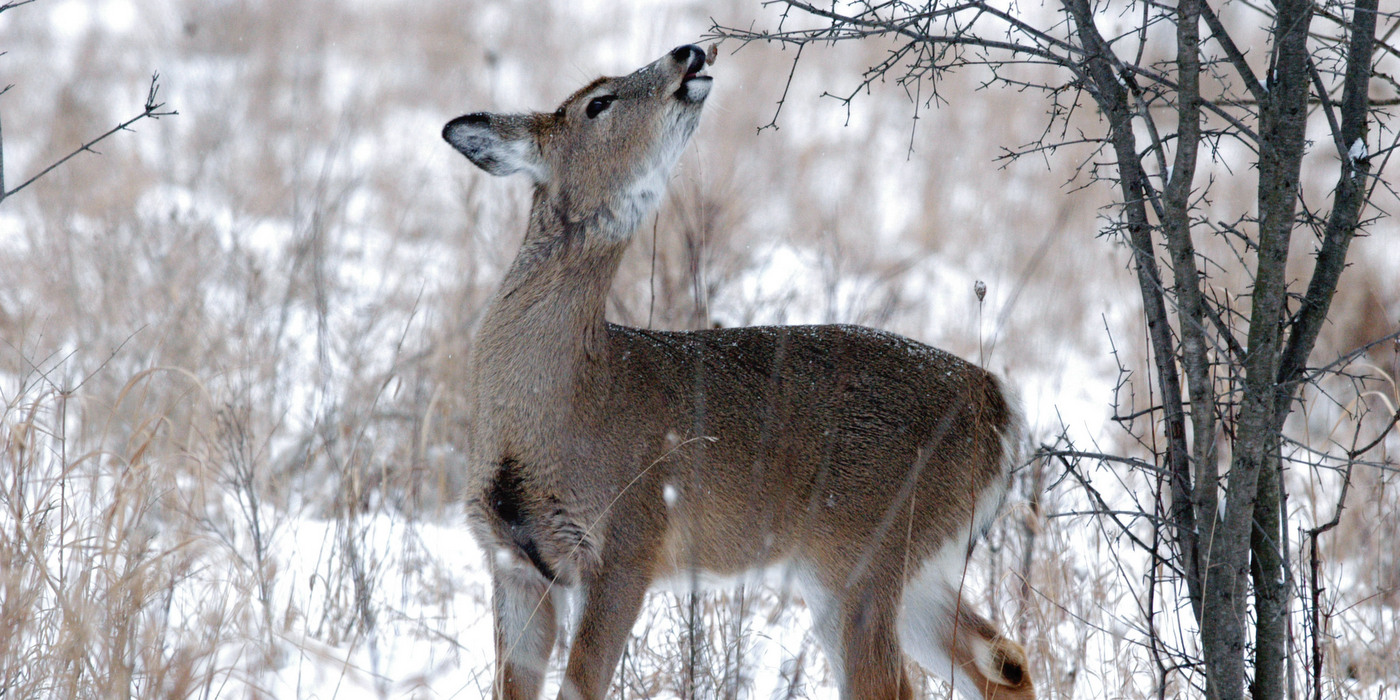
{"x": 695, "y": 86}
{"x": 696, "y": 75}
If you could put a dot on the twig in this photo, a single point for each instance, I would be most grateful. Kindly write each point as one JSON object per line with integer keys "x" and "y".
{"x": 1347, "y": 358}
{"x": 1314, "y": 563}
{"x": 152, "y": 110}
{"x": 773, "y": 123}
{"x": 1354, "y": 453}
{"x": 1102, "y": 509}
{"x": 12, "y": 4}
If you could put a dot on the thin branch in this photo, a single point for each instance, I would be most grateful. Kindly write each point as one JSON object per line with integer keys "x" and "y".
{"x": 1100, "y": 457}
{"x": 1102, "y": 508}
{"x": 980, "y": 7}
{"x": 152, "y": 110}
{"x": 12, "y": 4}
{"x": 1353, "y": 453}
{"x": 1327, "y": 108}
{"x": 1223, "y": 330}
{"x": 1073, "y": 59}
{"x": 1348, "y": 357}
{"x": 1314, "y": 564}
{"x": 2, "y": 155}
{"x": 773, "y": 123}
{"x": 1323, "y": 10}
{"x": 1237, "y": 59}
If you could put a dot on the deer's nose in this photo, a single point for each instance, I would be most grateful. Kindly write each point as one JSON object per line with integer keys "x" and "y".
{"x": 690, "y": 56}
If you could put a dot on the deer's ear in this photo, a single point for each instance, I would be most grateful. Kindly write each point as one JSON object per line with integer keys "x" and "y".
{"x": 500, "y": 144}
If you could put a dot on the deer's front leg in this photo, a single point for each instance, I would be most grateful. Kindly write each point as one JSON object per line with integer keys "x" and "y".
{"x": 612, "y": 598}
{"x": 525, "y": 628}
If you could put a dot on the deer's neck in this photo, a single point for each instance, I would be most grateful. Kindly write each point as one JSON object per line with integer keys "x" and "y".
{"x": 544, "y": 330}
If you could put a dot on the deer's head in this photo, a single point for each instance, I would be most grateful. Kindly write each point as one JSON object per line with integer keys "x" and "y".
{"x": 607, "y": 150}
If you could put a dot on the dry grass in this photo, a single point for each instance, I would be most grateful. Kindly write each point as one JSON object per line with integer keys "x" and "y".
{"x": 231, "y": 344}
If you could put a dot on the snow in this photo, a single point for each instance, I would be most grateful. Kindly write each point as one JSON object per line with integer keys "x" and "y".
{"x": 71, "y": 19}
{"x": 429, "y": 587}
{"x": 432, "y": 635}
{"x": 1357, "y": 151}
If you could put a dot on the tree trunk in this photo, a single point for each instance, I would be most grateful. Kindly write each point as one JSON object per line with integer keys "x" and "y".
{"x": 1255, "y": 488}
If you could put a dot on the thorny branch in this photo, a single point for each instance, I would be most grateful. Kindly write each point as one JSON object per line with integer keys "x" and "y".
{"x": 1315, "y": 562}
{"x": 12, "y": 4}
{"x": 151, "y": 110}
{"x": 1041, "y": 47}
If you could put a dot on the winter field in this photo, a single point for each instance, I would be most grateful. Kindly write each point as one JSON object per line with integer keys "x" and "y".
{"x": 230, "y": 346}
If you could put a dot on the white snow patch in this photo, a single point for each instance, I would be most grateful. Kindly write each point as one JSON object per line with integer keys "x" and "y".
{"x": 12, "y": 238}
{"x": 1357, "y": 150}
{"x": 118, "y": 16}
{"x": 794, "y": 285}
{"x": 70, "y": 19}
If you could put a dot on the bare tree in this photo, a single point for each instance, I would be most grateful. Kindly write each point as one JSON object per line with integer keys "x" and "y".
{"x": 1225, "y": 393}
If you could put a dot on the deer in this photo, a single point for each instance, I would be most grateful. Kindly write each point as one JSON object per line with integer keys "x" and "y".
{"x": 605, "y": 460}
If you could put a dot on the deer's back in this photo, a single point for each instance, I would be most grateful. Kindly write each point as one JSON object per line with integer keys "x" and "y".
{"x": 783, "y": 434}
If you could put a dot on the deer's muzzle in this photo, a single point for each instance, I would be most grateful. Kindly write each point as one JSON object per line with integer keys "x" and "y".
{"x": 695, "y": 85}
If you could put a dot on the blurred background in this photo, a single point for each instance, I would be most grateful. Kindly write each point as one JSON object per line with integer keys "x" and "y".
{"x": 231, "y": 341}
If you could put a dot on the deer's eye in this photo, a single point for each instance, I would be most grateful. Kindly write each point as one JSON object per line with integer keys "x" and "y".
{"x": 598, "y": 104}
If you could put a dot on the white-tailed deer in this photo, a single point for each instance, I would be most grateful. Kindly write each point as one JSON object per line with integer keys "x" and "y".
{"x": 606, "y": 458}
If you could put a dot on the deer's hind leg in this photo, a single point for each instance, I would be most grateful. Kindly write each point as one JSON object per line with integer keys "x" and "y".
{"x": 949, "y": 639}
{"x": 525, "y": 630}
{"x": 856, "y": 623}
